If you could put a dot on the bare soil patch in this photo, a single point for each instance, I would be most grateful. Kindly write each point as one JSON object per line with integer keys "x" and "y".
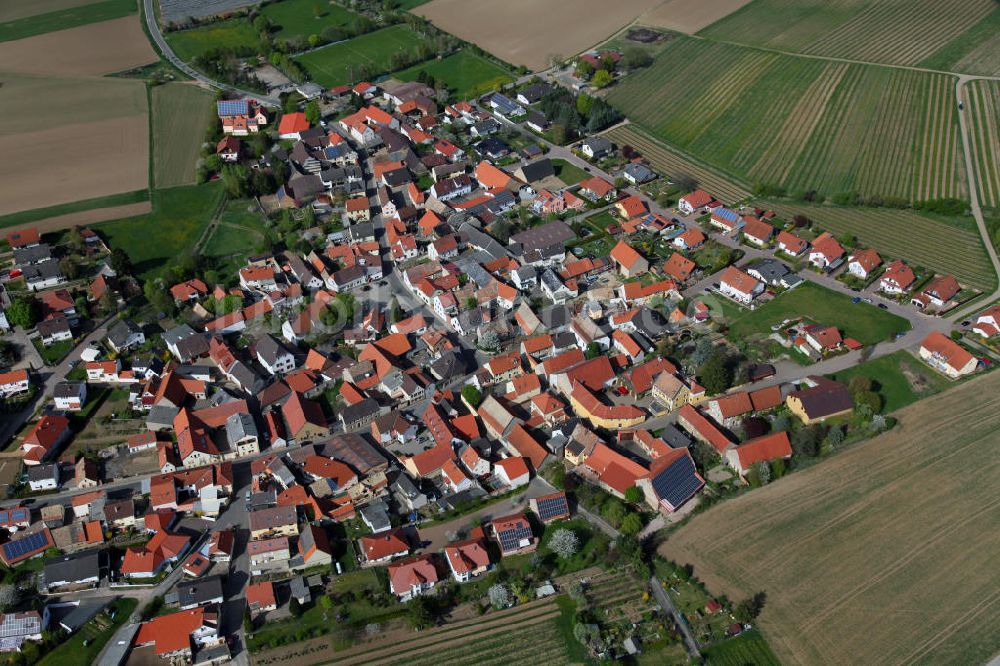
{"x": 690, "y": 16}
{"x": 95, "y": 49}
{"x": 879, "y": 555}
{"x": 74, "y": 162}
{"x": 529, "y": 32}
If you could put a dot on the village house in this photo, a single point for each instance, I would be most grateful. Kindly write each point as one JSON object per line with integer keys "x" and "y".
{"x": 947, "y": 356}
{"x": 739, "y": 286}
{"x": 862, "y": 263}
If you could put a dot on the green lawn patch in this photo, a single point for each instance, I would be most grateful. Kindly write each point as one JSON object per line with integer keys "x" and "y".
{"x": 234, "y": 33}
{"x": 861, "y": 321}
{"x": 362, "y": 57}
{"x": 97, "y": 633}
{"x": 297, "y": 18}
{"x": 569, "y": 173}
{"x": 465, "y": 73}
{"x": 601, "y": 221}
{"x": 61, "y": 19}
{"x": 55, "y": 352}
{"x": 899, "y": 378}
{"x": 179, "y": 217}
{"x": 747, "y": 648}
{"x": 35, "y": 214}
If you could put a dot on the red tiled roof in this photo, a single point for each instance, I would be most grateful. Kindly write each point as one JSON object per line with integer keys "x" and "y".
{"x": 766, "y": 448}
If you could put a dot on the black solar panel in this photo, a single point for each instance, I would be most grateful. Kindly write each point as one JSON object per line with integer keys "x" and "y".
{"x": 678, "y": 482}
{"x": 15, "y": 549}
{"x": 552, "y": 507}
{"x": 511, "y": 539}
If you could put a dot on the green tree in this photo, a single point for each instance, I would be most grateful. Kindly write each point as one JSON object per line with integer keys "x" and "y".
{"x": 602, "y": 78}
{"x": 472, "y": 395}
{"x": 635, "y": 58}
{"x": 471, "y": 302}
{"x": 859, "y": 383}
{"x": 631, "y": 524}
{"x": 869, "y": 399}
{"x": 313, "y": 113}
{"x": 295, "y": 608}
{"x": 633, "y": 495}
{"x": 593, "y": 350}
{"x": 716, "y": 374}
{"x": 750, "y": 608}
{"x": 236, "y": 180}
{"x": 24, "y": 312}
{"x": 613, "y": 511}
{"x": 584, "y": 70}
{"x": 247, "y": 622}
{"x": 420, "y": 612}
{"x": 583, "y": 104}
{"x": 69, "y": 268}
{"x": 120, "y": 262}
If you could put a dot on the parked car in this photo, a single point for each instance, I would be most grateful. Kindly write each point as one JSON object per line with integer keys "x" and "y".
{"x": 883, "y": 306}
{"x": 856, "y": 300}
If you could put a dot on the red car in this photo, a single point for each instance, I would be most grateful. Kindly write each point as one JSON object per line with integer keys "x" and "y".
{"x": 621, "y": 390}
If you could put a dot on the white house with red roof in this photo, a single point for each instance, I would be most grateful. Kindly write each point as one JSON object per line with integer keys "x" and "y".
{"x": 863, "y": 262}
{"x": 791, "y": 244}
{"x": 897, "y": 279}
{"x": 630, "y": 262}
{"x": 693, "y": 201}
{"x": 947, "y": 356}
{"x": 739, "y": 286}
{"x": 13, "y": 383}
{"x": 467, "y": 559}
{"x": 759, "y": 450}
{"x": 691, "y": 239}
{"x": 988, "y": 322}
{"x": 826, "y": 253}
{"x": 412, "y": 577}
{"x": 514, "y": 471}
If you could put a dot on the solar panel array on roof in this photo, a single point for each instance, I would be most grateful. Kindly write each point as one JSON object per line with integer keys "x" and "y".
{"x": 13, "y": 550}
{"x": 511, "y": 539}
{"x": 232, "y": 107}
{"x": 677, "y": 482}
{"x": 19, "y": 625}
{"x": 552, "y": 507}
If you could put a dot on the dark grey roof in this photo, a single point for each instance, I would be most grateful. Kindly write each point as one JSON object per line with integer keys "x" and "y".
{"x": 597, "y": 143}
{"x": 120, "y": 332}
{"x": 57, "y": 324}
{"x": 450, "y": 364}
{"x": 353, "y": 449}
{"x": 640, "y": 172}
{"x": 42, "y": 472}
{"x": 201, "y": 591}
{"x": 537, "y": 170}
{"x": 270, "y": 350}
{"x": 535, "y": 92}
{"x": 674, "y": 437}
{"x": 42, "y": 272}
{"x": 365, "y": 409}
{"x": 544, "y": 236}
{"x": 24, "y": 256}
{"x": 240, "y": 426}
{"x": 74, "y": 615}
{"x": 75, "y": 568}
{"x": 67, "y": 389}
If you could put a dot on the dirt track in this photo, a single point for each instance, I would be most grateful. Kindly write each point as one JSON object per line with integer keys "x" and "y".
{"x": 85, "y": 217}
{"x": 95, "y": 49}
{"x": 528, "y": 32}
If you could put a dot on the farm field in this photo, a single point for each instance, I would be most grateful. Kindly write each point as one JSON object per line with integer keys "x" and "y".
{"x": 553, "y": 28}
{"x": 977, "y": 51}
{"x": 362, "y": 57}
{"x": 908, "y": 235}
{"x": 98, "y": 127}
{"x": 181, "y": 113}
{"x": 88, "y": 50}
{"x": 894, "y": 32}
{"x": 748, "y": 648}
{"x": 861, "y": 321}
{"x": 673, "y": 164}
{"x": 880, "y": 554}
{"x": 180, "y": 10}
{"x": 689, "y": 16}
{"x": 193, "y": 42}
{"x": 984, "y": 134}
{"x": 179, "y": 218}
{"x": 20, "y": 19}
{"x": 79, "y": 210}
{"x": 829, "y": 127}
{"x": 899, "y": 378}
{"x": 296, "y": 18}
{"x": 465, "y": 73}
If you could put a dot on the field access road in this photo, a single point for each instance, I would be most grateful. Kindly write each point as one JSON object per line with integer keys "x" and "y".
{"x": 663, "y": 599}
{"x": 977, "y": 211}
{"x": 161, "y": 44}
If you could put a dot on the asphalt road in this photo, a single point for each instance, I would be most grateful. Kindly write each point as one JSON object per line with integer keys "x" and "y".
{"x": 161, "y": 44}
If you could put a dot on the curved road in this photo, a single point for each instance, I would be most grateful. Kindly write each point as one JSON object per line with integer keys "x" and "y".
{"x": 161, "y": 44}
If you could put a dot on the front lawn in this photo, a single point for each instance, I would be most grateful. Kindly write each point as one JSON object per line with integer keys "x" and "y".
{"x": 569, "y": 173}
{"x": 55, "y": 352}
{"x": 84, "y": 646}
{"x": 899, "y": 378}
{"x": 861, "y": 321}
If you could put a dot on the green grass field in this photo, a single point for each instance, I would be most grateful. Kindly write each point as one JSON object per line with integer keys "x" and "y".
{"x": 569, "y": 173}
{"x": 674, "y": 165}
{"x": 945, "y": 245}
{"x": 977, "y": 51}
{"x": 861, "y": 321}
{"x": 465, "y": 73}
{"x": 296, "y": 18}
{"x": 191, "y": 43}
{"x": 238, "y": 234}
{"x": 342, "y": 63}
{"x": 61, "y": 19}
{"x": 181, "y": 113}
{"x": 826, "y": 126}
{"x": 179, "y": 217}
{"x": 899, "y": 378}
{"x": 984, "y": 116}
{"x": 748, "y": 648}
{"x": 96, "y": 634}
{"x": 891, "y": 32}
